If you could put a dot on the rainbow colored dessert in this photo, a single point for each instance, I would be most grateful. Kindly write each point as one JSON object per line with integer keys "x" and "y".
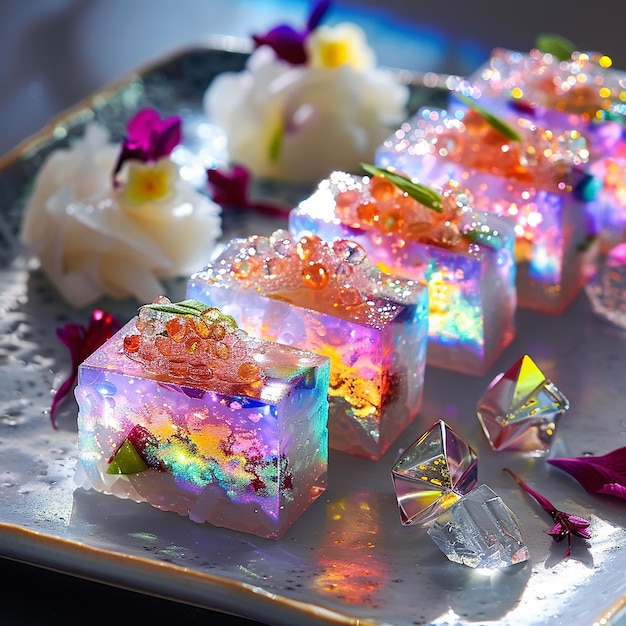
{"x": 581, "y": 92}
{"x": 328, "y": 298}
{"x": 520, "y": 171}
{"x": 466, "y": 258}
{"x": 185, "y": 411}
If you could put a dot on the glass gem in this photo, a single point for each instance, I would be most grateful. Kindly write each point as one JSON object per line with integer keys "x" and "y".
{"x": 480, "y": 531}
{"x": 607, "y": 289}
{"x": 433, "y": 473}
{"x": 521, "y": 408}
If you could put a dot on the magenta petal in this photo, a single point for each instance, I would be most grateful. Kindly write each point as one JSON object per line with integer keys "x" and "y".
{"x": 230, "y": 189}
{"x": 140, "y": 126}
{"x": 169, "y": 135}
{"x": 598, "y": 474}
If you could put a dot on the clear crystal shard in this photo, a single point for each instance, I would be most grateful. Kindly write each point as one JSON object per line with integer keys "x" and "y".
{"x": 480, "y": 531}
{"x": 433, "y": 473}
{"x": 521, "y": 409}
{"x": 607, "y": 289}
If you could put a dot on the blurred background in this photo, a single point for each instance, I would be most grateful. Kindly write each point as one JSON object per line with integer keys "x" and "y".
{"x": 55, "y": 52}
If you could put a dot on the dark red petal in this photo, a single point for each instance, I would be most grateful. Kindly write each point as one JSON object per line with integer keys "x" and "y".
{"x": 230, "y": 189}
{"x": 600, "y": 474}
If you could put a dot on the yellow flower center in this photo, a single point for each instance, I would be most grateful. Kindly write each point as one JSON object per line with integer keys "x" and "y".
{"x": 344, "y": 44}
{"x": 334, "y": 53}
{"x": 150, "y": 182}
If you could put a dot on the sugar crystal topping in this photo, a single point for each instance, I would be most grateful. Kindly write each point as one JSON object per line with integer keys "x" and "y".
{"x": 194, "y": 342}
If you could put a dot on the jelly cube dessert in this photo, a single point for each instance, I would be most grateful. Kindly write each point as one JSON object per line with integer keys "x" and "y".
{"x": 521, "y": 172}
{"x": 328, "y": 298}
{"x": 582, "y": 92}
{"x": 466, "y": 257}
{"x": 185, "y": 411}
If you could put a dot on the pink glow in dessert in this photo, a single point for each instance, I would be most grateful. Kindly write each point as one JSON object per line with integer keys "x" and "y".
{"x": 581, "y": 92}
{"x": 520, "y": 171}
{"x": 329, "y": 298}
{"x": 466, "y": 257}
{"x": 184, "y": 410}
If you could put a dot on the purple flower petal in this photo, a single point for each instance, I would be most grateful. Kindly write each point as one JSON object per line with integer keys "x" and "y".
{"x": 148, "y": 138}
{"x": 598, "y": 474}
{"x": 287, "y": 43}
{"x": 317, "y": 14}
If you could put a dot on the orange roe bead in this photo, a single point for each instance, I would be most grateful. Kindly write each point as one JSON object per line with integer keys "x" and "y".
{"x": 368, "y": 212}
{"x": 246, "y": 268}
{"x": 176, "y": 328}
{"x": 140, "y": 324}
{"x": 350, "y": 296}
{"x": 248, "y": 371}
{"x": 382, "y": 189}
{"x": 132, "y": 343}
{"x": 315, "y": 276}
{"x": 217, "y": 332}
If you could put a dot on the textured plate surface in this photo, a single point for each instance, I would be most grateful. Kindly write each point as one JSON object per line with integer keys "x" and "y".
{"x": 348, "y": 560}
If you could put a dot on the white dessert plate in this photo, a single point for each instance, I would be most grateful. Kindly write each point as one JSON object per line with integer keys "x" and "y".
{"x": 348, "y": 560}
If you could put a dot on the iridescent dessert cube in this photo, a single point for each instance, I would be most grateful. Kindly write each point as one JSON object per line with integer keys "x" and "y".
{"x": 328, "y": 298}
{"x": 432, "y": 474}
{"x": 583, "y": 92}
{"x": 521, "y": 409}
{"x": 466, "y": 257}
{"x": 183, "y": 410}
{"x": 607, "y": 289}
{"x": 530, "y": 177}
{"x": 480, "y": 531}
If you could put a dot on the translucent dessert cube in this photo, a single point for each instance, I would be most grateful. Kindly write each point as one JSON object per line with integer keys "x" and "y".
{"x": 184, "y": 411}
{"x": 583, "y": 92}
{"x": 531, "y": 180}
{"x": 607, "y": 289}
{"x": 328, "y": 298}
{"x": 466, "y": 257}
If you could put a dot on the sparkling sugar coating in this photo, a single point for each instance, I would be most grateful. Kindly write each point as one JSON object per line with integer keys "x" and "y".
{"x": 480, "y": 531}
{"x": 575, "y": 94}
{"x": 433, "y": 473}
{"x": 521, "y": 409}
{"x": 466, "y": 257}
{"x": 328, "y": 298}
{"x": 531, "y": 182}
{"x": 248, "y": 455}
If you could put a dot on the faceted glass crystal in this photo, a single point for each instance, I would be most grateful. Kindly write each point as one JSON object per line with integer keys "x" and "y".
{"x": 433, "y": 473}
{"x": 521, "y": 408}
{"x": 479, "y": 530}
{"x": 607, "y": 290}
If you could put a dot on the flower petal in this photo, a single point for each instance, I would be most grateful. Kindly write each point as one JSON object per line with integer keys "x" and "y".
{"x": 287, "y": 43}
{"x": 168, "y": 136}
{"x": 140, "y": 126}
{"x": 598, "y": 474}
{"x": 317, "y": 14}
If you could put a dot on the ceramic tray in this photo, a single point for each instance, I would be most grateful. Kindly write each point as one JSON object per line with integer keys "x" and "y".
{"x": 348, "y": 560}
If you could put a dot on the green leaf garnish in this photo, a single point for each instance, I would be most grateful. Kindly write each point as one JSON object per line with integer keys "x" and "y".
{"x": 500, "y": 125}
{"x": 557, "y": 46}
{"x": 276, "y": 144}
{"x": 423, "y": 194}
{"x": 190, "y": 308}
{"x": 485, "y": 238}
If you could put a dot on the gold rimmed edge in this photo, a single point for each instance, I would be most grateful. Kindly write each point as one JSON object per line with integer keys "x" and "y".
{"x": 606, "y": 619}
{"x": 134, "y": 566}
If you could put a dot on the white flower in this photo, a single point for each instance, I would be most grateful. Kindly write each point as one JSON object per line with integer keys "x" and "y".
{"x": 299, "y": 123}
{"x": 94, "y": 241}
